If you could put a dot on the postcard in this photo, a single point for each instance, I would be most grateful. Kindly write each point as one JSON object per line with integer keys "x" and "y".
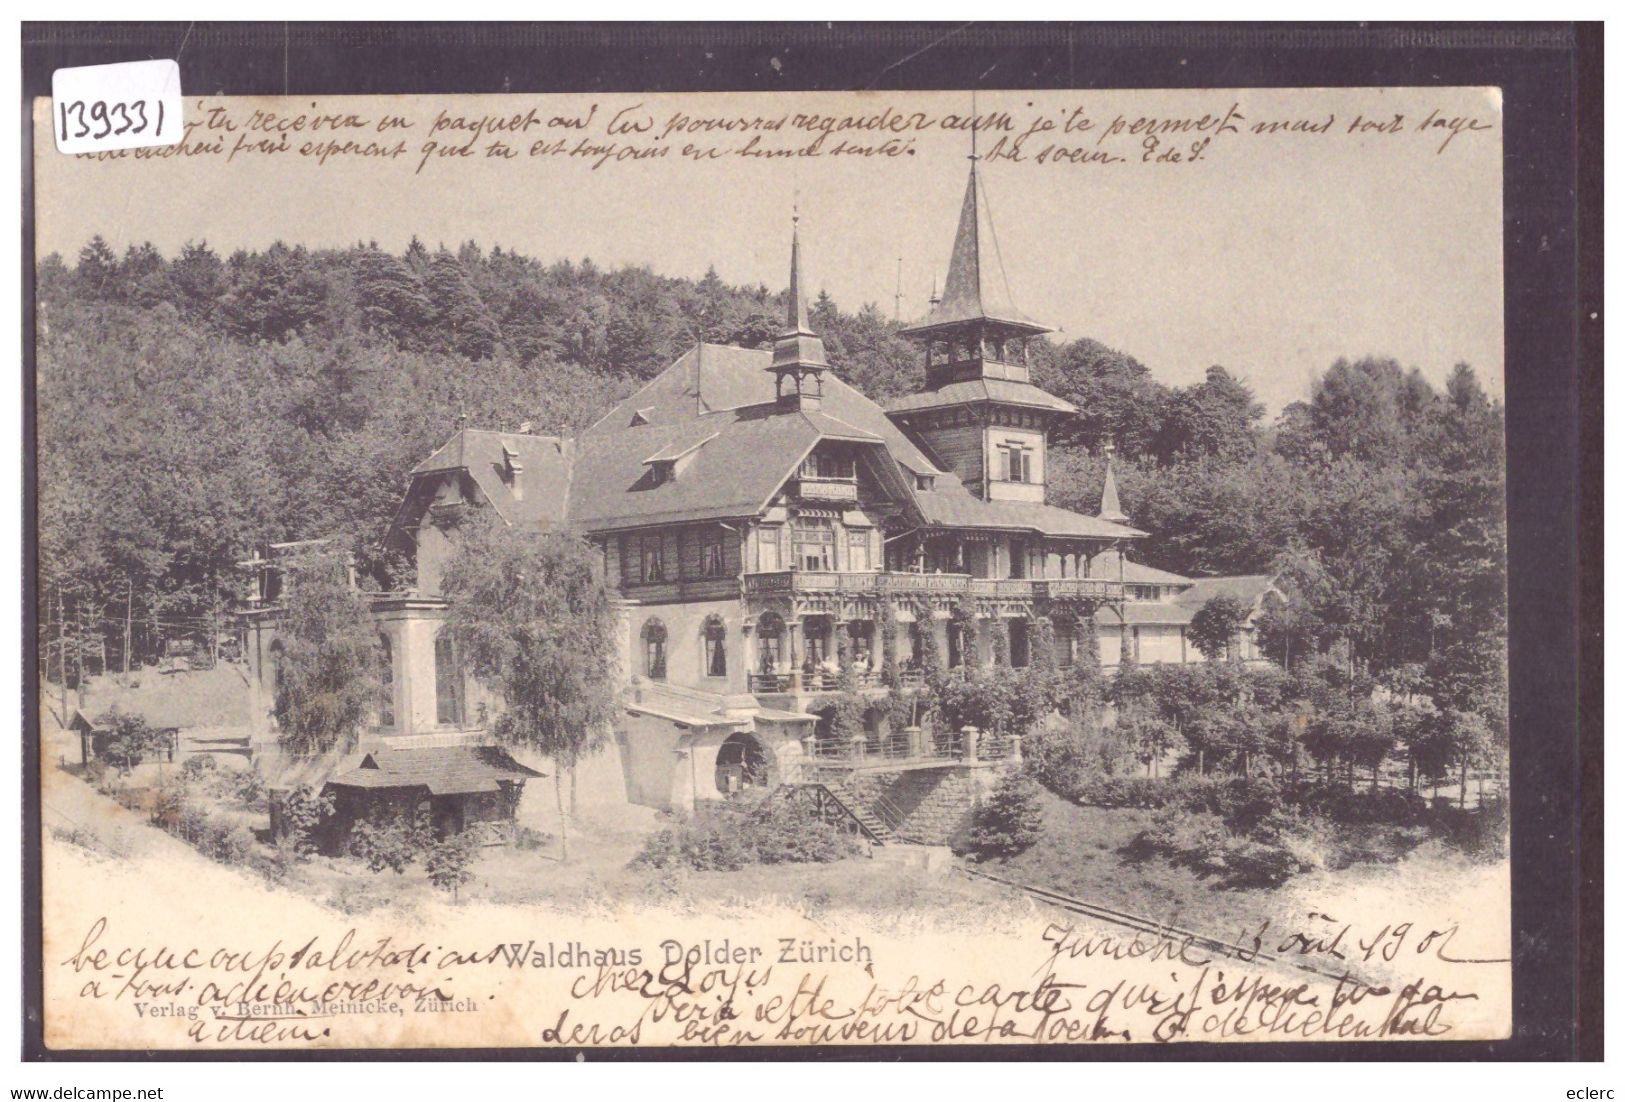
{"x": 773, "y": 569}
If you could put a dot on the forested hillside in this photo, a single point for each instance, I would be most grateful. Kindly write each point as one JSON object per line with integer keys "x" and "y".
{"x": 192, "y": 407}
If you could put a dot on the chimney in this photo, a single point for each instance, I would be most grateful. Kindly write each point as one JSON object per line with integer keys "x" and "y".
{"x": 512, "y": 469}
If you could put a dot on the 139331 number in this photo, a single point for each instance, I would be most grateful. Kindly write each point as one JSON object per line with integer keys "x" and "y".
{"x": 97, "y": 119}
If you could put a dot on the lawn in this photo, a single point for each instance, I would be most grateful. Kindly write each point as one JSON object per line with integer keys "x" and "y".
{"x": 1085, "y": 852}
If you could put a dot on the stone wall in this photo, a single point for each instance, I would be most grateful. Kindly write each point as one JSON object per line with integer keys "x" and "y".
{"x": 934, "y": 804}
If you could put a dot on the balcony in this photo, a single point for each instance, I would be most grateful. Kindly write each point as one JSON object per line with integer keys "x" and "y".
{"x": 823, "y": 681}
{"x": 827, "y": 489}
{"x": 907, "y": 749}
{"x": 781, "y": 583}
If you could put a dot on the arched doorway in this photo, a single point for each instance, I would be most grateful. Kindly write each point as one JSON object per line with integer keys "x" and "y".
{"x": 741, "y": 765}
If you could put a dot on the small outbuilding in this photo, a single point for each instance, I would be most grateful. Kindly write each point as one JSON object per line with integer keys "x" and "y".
{"x": 457, "y": 788}
{"x": 95, "y": 735}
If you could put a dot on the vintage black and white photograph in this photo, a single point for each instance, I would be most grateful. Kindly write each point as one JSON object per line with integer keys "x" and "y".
{"x": 798, "y": 569}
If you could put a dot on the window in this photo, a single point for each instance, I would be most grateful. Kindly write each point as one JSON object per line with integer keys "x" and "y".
{"x": 716, "y": 648}
{"x": 767, "y": 547}
{"x": 711, "y": 555}
{"x": 1066, "y": 644}
{"x": 386, "y": 682}
{"x": 652, "y": 564}
{"x": 448, "y": 684}
{"x": 814, "y": 544}
{"x": 1015, "y": 463}
{"x": 770, "y": 641}
{"x": 654, "y": 650}
{"x": 828, "y": 465}
{"x": 857, "y": 550}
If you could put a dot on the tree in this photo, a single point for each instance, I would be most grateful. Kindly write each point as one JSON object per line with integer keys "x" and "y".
{"x": 1011, "y": 820}
{"x": 462, "y": 324}
{"x": 327, "y": 675}
{"x": 391, "y": 298}
{"x": 448, "y": 861}
{"x": 1153, "y": 738}
{"x": 132, "y": 738}
{"x": 529, "y": 614}
{"x": 1217, "y": 417}
{"x": 1216, "y": 624}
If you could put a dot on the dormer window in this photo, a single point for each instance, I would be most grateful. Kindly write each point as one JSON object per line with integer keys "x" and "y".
{"x": 925, "y": 482}
{"x": 669, "y": 462}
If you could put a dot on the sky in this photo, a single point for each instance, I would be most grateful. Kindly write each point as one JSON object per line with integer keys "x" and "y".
{"x": 1271, "y": 254}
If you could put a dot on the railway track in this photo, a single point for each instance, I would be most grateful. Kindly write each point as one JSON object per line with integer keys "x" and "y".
{"x": 1164, "y": 930}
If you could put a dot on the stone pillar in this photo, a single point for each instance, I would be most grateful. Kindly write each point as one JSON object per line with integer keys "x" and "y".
{"x": 1015, "y": 749}
{"x": 967, "y": 749}
{"x": 918, "y": 745}
{"x": 752, "y": 659}
{"x": 792, "y": 633}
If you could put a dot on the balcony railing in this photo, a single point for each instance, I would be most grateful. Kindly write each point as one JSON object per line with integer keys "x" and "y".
{"x": 913, "y": 747}
{"x": 827, "y": 489}
{"x": 784, "y": 582}
{"x": 827, "y": 681}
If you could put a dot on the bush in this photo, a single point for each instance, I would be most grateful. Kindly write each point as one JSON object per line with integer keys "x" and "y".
{"x": 195, "y": 767}
{"x": 1141, "y": 792}
{"x": 1010, "y": 821}
{"x": 302, "y": 813}
{"x": 447, "y": 862}
{"x": 235, "y": 845}
{"x": 395, "y": 845}
{"x": 527, "y": 838}
{"x": 1259, "y": 864}
{"x": 250, "y": 790}
{"x": 730, "y": 836}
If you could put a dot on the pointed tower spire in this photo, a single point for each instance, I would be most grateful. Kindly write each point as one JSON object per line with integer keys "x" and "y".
{"x": 1110, "y": 508}
{"x": 976, "y": 288}
{"x": 799, "y": 362}
{"x": 796, "y": 322}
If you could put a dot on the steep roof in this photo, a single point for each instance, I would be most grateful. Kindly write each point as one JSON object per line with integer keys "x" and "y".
{"x": 1134, "y": 573}
{"x": 743, "y": 458}
{"x": 950, "y": 505}
{"x": 1245, "y": 588}
{"x": 715, "y": 407}
{"x": 1006, "y": 391}
{"x": 976, "y": 288}
{"x": 444, "y": 771}
{"x": 543, "y": 481}
{"x": 1145, "y": 613}
{"x": 722, "y": 398}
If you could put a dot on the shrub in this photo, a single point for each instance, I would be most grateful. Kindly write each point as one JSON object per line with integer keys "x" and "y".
{"x": 302, "y": 813}
{"x": 527, "y": 838}
{"x": 697, "y": 844}
{"x": 250, "y": 790}
{"x": 396, "y": 844}
{"x": 1010, "y": 821}
{"x": 235, "y": 845}
{"x": 730, "y": 836}
{"x": 1195, "y": 839}
{"x": 195, "y": 767}
{"x": 447, "y": 862}
{"x": 1259, "y": 865}
{"x": 1140, "y": 792}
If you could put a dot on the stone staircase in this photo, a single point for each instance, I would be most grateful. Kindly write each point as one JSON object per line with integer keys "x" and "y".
{"x": 834, "y": 799}
{"x": 861, "y": 813}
